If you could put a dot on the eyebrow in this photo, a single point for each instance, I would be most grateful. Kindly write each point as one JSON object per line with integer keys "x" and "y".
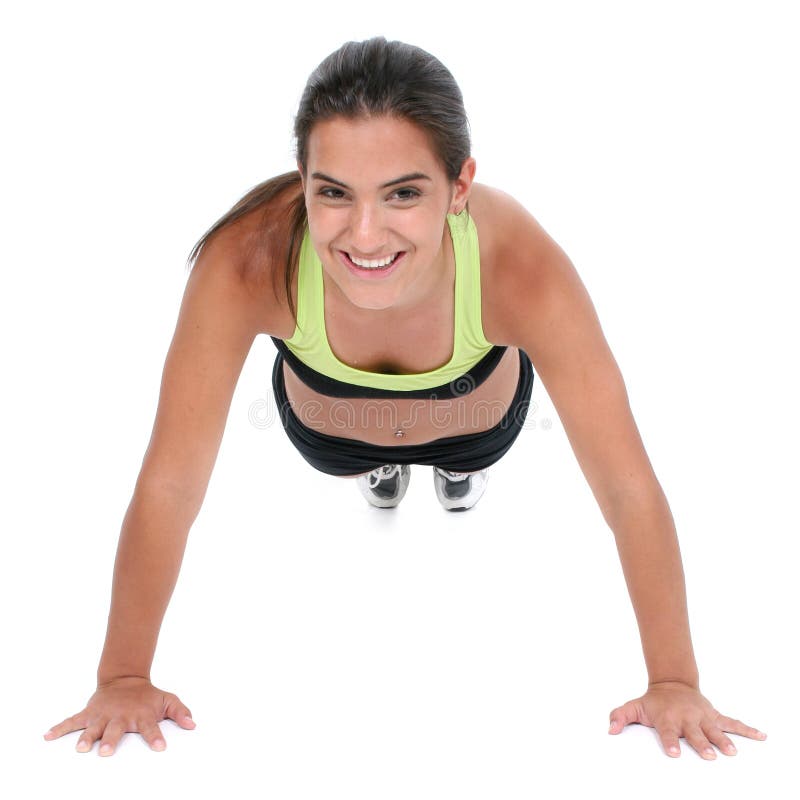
{"x": 412, "y": 176}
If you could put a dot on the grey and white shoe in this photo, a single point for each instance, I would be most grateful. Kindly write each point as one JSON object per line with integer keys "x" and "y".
{"x": 458, "y": 491}
{"x": 385, "y": 486}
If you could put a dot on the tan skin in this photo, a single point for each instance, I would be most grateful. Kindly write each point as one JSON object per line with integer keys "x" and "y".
{"x": 402, "y": 329}
{"x": 532, "y": 298}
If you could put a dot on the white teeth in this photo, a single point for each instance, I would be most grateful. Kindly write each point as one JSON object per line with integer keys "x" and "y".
{"x": 373, "y": 264}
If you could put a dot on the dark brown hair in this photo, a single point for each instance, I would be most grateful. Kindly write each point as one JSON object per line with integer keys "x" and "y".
{"x": 360, "y": 79}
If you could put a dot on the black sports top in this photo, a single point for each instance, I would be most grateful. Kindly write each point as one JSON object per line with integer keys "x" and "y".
{"x": 458, "y": 387}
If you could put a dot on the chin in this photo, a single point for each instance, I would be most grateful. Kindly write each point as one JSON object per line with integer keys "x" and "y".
{"x": 371, "y": 301}
{"x": 370, "y": 298}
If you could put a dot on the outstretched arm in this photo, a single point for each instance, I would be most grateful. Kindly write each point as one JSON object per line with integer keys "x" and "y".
{"x": 216, "y": 326}
{"x": 551, "y": 317}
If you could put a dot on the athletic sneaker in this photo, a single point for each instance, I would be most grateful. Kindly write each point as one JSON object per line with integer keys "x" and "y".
{"x": 458, "y": 491}
{"x": 385, "y": 486}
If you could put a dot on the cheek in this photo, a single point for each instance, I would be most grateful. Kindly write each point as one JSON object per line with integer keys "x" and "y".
{"x": 418, "y": 232}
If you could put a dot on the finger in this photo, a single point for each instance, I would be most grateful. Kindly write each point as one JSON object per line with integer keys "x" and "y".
{"x": 717, "y": 737}
{"x": 111, "y": 736}
{"x": 670, "y": 739}
{"x": 178, "y": 712}
{"x": 621, "y": 716}
{"x": 74, "y": 723}
{"x": 736, "y": 726}
{"x": 697, "y": 739}
{"x": 152, "y": 735}
{"x": 88, "y": 738}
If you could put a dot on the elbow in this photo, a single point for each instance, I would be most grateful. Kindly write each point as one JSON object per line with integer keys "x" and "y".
{"x": 629, "y": 505}
{"x": 178, "y": 493}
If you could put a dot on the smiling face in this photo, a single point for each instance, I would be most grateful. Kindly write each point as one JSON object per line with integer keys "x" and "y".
{"x": 374, "y": 191}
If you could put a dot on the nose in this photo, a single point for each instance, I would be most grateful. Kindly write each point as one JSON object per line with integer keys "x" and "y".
{"x": 367, "y": 230}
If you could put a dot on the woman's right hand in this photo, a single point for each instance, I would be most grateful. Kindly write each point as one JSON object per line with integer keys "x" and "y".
{"x": 124, "y": 705}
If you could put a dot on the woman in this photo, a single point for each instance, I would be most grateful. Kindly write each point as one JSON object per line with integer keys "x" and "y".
{"x": 405, "y": 300}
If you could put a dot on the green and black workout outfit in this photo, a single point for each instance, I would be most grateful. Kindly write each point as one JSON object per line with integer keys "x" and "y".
{"x": 309, "y": 355}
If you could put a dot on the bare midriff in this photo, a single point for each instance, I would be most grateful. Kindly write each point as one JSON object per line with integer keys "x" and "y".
{"x": 377, "y": 420}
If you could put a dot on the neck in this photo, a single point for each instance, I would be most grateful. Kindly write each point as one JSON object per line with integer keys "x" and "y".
{"x": 435, "y": 284}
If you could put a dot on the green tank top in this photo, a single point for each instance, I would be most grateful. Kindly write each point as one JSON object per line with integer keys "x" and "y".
{"x": 310, "y": 342}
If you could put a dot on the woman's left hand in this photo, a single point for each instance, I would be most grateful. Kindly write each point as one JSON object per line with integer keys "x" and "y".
{"x": 677, "y": 709}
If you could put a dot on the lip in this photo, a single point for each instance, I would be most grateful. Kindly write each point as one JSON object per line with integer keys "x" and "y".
{"x": 370, "y": 274}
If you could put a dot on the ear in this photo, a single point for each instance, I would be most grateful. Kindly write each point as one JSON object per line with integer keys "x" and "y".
{"x": 463, "y": 185}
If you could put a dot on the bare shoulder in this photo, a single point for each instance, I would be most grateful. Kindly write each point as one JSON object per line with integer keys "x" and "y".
{"x": 536, "y": 300}
{"x": 247, "y": 256}
{"x": 519, "y": 259}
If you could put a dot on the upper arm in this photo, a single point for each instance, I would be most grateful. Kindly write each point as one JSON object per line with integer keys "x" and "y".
{"x": 552, "y": 318}
{"x": 218, "y": 320}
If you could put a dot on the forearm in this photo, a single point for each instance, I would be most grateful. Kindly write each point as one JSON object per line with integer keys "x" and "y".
{"x": 149, "y": 555}
{"x": 649, "y": 553}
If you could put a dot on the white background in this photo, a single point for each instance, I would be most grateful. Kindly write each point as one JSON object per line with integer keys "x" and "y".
{"x": 323, "y": 646}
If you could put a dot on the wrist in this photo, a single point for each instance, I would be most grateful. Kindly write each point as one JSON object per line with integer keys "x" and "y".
{"x": 105, "y": 674}
{"x": 692, "y": 681}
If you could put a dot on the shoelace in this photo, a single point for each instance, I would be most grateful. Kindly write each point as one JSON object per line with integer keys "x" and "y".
{"x": 453, "y": 476}
{"x": 382, "y": 474}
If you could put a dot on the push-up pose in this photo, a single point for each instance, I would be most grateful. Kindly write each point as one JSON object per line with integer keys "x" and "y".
{"x": 408, "y": 304}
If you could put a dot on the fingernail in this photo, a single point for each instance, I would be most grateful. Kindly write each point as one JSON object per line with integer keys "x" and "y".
{"x": 761, "y": 735}
{"x": 159, "y": 744}
{"x": 48, "y": 734}
{"x": 709, "y": 752}
{"x": 105, "y": 749}
{"x": 189, "y": 720}
{"x": 674, "y": 750}
{"x": 731, "y": 748}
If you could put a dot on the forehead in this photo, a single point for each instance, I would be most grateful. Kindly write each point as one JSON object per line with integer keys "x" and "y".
{"x": 369, "y": 144}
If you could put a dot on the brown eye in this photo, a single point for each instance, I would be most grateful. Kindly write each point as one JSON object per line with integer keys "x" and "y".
{"x": 324, "y": 191}
{"x": 413, "y": 194}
